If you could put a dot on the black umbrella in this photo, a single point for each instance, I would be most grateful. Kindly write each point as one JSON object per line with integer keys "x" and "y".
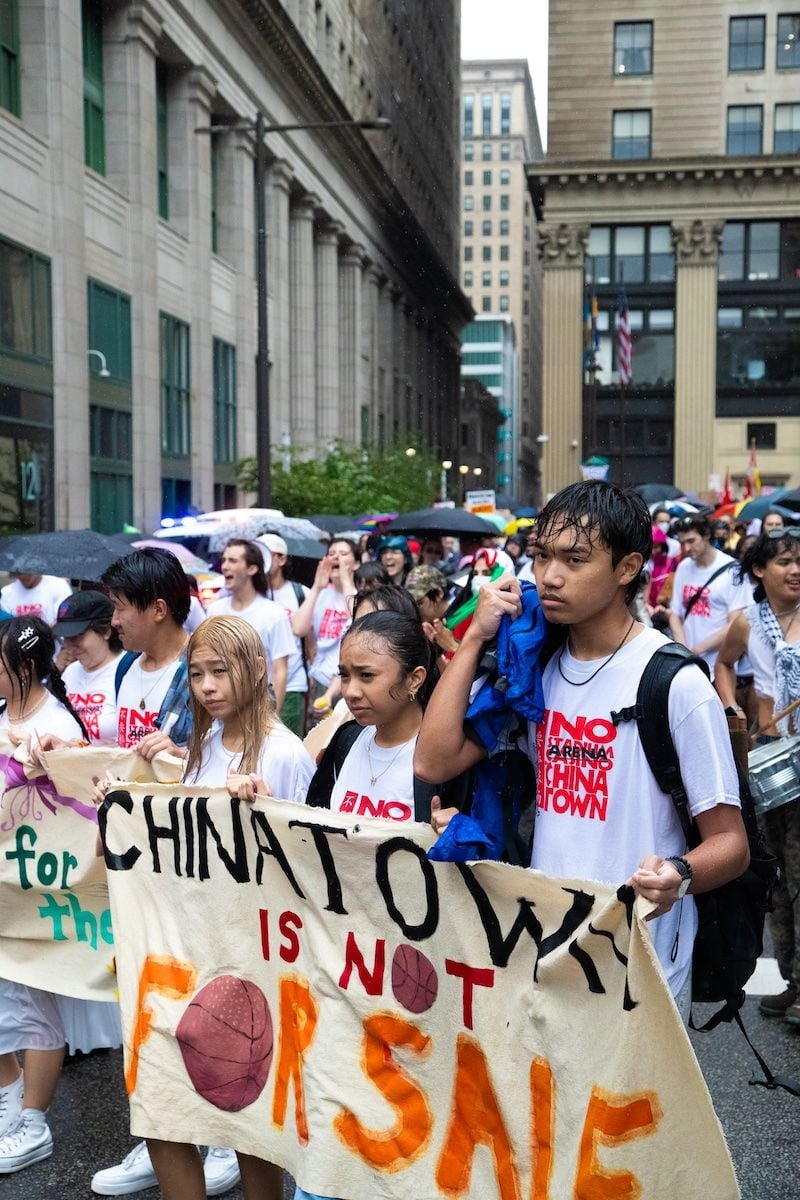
{"x": 791, "y": 500}
{"x": 333, "y": 523}
{"x": 67, "y": 553}
{"x": 446, "y": 522}
{"x": 651, "y": 493}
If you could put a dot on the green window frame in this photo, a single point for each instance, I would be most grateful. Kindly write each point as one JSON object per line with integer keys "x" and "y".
{"x": 224, "y": 402}
{"x": 175, "y": 358}
{"x": 9, "y": 57}
{"x": 109, "y": 328}
{"x": 94, "y": 136}
{"x": 26, "y": 325}
{"x": 162, "y": 141}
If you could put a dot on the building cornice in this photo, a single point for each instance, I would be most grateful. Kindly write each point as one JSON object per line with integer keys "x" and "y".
{"x": 665, "y": 170}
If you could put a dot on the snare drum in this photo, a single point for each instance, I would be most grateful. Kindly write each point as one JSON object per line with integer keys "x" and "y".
{"x": 774, "y": 773}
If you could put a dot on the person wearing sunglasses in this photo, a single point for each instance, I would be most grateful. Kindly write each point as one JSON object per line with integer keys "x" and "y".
{"x": 706, "y": 594}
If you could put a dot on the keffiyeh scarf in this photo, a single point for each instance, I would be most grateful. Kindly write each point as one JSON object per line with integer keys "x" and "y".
{"x": 787, "y": 663}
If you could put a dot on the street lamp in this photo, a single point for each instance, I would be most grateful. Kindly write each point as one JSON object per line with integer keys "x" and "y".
{"x": 104, "y": 372}
{"x": 463, "y": 471}
{"x": 411, "y": 452}
{"x": 446, "y": 465}
{"x": 477, "y": 471}
{"x": 259, "y": 127}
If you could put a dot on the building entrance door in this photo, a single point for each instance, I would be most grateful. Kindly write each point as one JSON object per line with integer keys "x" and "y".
{"x": 26, "y": 479}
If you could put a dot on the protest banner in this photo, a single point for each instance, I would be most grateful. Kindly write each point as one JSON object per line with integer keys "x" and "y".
{"x": 310, "y": 988}
{"x": 55, "y": 920}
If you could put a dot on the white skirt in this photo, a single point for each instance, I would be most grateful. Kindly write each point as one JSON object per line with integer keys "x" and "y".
{"x": 90, "y": 1024}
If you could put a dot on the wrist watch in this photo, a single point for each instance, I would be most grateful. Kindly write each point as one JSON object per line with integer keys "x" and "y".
{"x": 684, "y": 869}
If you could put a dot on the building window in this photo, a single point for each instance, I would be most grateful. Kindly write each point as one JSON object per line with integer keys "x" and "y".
{"x": 9, "y": 56}
{"x": 758, "y": 359}
{"x": 25, "y": 317}
{"x": 468, "y": 279}
{"x": 487, "y": 178}
{"x": 109, "y": 330}
{"x": 486, "y": 152}
{"x": 468, "y": 254}
{"x": 505, "y": 202}
{"x": 486, "y": 203}
{"x": 94, "y": 142}
{"x": 505, "y": 152}
{"x": 526, "y": 308}
{"x": 504, "y": 278}
{"x": 469, "y": 110}
{"x": 505, "y": 177}
{"x": 468, "y": 227}
{"x": 469, "y": 203}
{"x": 486, "y": 253}
{"x": 486, "y": 114}
{"x": 504, "y": 226}
{"x": 504, "y": 305}
{"x": 162, "y": 141}
{"x": 787, "y": 129}
{"x": 526, "y": 258}
{"x": 752, "y": 250}
{"x": 745, "y": 125}
{"x": 633, "y": 48}
{"x": 364, "y": 424}
{"x": 486, "y": 304}
{"x": 504, "y": 255}
{"x": 526, "y": 283}
{"x": 629, "y": 254}
{"x": 788, "y": 57}
{"x": 746, "y": 44}
{"x": 468, "y": 178}
{"x": 505, "y": 113}
{"x": 486, "y": 228}
{"x": 486, "y": 279}
{"x": 632, "y": 133}
{"x": 175, "y": 386}
{"x": 224, "y": 402}
{"x": 469, "y": 152}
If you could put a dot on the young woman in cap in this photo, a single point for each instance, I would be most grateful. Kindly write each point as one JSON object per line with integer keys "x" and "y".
{"x": 84, "y": 623}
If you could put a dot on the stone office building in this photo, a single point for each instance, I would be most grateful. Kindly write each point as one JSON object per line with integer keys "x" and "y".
{"x": 672, "y": 170}
{"x": 127, "y": 244}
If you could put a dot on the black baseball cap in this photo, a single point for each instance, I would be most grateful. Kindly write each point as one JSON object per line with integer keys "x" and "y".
{"x": 79, "y": 611}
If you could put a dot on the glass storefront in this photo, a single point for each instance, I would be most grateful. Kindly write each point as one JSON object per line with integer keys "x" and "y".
{"x": 26, "y": 462}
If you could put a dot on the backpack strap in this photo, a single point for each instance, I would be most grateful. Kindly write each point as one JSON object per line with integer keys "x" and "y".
{"x": 123, "y": 666}
{"x": 693, "y": 599}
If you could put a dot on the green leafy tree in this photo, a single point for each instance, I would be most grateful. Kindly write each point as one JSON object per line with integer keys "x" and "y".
{"x": 350, "y": 480}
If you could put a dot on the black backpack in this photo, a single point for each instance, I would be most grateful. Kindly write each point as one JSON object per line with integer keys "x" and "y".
{"x": 730, "y": 918}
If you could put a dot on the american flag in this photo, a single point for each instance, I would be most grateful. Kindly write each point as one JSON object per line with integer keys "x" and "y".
{"x": 624, "y": 344}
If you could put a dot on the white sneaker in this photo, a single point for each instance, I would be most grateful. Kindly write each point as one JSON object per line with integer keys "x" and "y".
{"x": 26, "y": 1143}
{"x": 221, "y": 1170}
{"x": 133, "y": 1174}
{"x": 11, "y": 1104}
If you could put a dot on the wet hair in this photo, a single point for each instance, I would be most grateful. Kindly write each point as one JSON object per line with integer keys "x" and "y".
{"x": 253, "y": 558}
{"x": 762, "y": 551}
{"x": 389, "y": 598}
{"x": 239, "y": 646}
{"x": 148, "y": 575}
{"x": 27, "y": 649}
{"x": 613, "y": 517}
{"x": 374, "y": 574}
{"x": 403, "y": 638}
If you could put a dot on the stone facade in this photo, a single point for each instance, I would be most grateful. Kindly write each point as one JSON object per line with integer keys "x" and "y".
{"x": 364, "y": 305}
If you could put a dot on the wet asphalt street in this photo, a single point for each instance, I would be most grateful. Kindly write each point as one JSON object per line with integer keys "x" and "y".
{"x": 90, "y": 1122}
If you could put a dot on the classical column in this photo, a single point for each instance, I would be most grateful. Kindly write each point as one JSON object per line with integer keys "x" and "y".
{"x": 399, "y": 364}
{"x": 278, "y": 272}
{"x": 385, "y": 380}
{"x": 351, "y": 264}
{"x": 696, "y": 245}
{"x": 562, "y": 249}
{"x": 302, "y": 319}
{"x": 371, "y": 346}
{"x": 326, "y": 299}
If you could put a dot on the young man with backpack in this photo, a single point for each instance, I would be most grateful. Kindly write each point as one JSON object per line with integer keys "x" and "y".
{"x": 706, "y": 592}
{"x": 600, "y": 812}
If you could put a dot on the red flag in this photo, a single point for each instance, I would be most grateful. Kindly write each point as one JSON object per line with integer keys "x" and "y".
{"x": 727, "y": 495}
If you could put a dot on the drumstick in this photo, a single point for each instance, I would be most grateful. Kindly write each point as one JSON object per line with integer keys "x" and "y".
{"x": 770, "y": 725}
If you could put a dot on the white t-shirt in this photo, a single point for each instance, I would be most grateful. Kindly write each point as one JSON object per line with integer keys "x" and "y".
{"x": 330, "y": 620}
{"x": 712, "y": 611}
{"x": 392, "y": 794}
{"x": 284, "y": 763}
{"x": 599, "y": 809}
{"x": 40, "y": 601}
{"x": 91, "y": 694}
{"x": 52, "y": 717}
{"x": 269, "y": 621}
{"x": 139, "y": 701}
{"x": 197, "y": 614}
{"x": 286, "y": 598}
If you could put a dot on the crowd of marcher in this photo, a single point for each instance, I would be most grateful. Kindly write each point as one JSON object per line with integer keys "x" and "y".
{"x": 375, "y": 665}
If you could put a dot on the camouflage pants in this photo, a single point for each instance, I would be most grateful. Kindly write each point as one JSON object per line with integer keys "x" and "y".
{"x": 782, "y": 831}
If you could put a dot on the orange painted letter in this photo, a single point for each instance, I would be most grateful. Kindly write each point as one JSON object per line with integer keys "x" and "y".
{"x": 475, "y": 1118}
{"x": 168, "y": 976}
{"x": 390, "y": 1149}
{"x": 543, "y": 1121}
{"x": 298, "y": 1023}
{"x": 611, "y": 1120}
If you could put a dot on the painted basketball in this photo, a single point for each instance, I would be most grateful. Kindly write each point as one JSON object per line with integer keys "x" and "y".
{"x": 226, "y": 1040}
{"x": 414, "y": 980}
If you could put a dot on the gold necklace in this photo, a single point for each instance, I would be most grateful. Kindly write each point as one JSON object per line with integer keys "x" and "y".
{"x": 23, "y": 716}
{"x": 156, "y": 681}
{"x": 373, "y": 778}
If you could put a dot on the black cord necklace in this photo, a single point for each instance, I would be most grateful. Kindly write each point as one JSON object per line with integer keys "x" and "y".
{"x": 604, "y": 663}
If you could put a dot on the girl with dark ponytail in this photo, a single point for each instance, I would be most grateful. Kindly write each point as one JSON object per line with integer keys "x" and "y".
{"x": 31, "y": 683}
